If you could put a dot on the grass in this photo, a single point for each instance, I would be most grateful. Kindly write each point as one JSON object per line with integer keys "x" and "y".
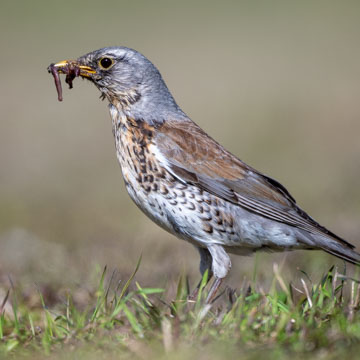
{"x": 126, "y": 320}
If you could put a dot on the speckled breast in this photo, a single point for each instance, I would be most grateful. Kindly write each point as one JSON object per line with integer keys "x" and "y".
{"x": 182, "y": 209}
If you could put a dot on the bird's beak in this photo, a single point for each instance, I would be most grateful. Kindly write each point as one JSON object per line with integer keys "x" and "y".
{"x": 64, "y": 66}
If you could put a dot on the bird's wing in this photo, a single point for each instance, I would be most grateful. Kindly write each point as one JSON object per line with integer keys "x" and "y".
{"x": 194, "y": 157}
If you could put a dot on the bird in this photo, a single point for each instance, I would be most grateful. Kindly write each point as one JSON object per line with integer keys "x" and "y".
{"x": 184, "y": 180}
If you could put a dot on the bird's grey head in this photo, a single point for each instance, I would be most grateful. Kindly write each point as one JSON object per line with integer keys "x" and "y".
{"x": 131, "y": 83}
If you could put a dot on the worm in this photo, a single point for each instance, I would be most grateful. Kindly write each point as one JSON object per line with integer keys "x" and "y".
{"x": 71, "y": 70}
{"x": 53, "y": 70}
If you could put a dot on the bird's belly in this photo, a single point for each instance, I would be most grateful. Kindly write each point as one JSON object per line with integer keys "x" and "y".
{"x": 169, "y": 207}
{"x": 257, "y": 232}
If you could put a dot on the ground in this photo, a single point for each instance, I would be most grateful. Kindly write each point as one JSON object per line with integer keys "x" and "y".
{"x": 122, "y": 319}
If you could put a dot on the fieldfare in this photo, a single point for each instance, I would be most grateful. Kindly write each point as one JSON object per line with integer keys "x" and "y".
{"x": 184, "y": 180}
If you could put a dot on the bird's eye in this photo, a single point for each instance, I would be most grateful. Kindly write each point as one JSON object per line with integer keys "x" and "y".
{"x": 106, "y": 62}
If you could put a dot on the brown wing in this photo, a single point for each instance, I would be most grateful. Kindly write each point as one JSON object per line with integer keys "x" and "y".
{"x": 194, "y": 157}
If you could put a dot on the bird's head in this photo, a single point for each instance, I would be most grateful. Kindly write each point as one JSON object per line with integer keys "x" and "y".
{"x": 118, "y": 72}
{"x": 126, "y": 78}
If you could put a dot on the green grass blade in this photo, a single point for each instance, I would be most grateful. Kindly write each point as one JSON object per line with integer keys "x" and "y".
{"x": 125, "y": 287}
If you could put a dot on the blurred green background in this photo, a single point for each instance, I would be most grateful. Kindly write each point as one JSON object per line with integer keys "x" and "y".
{"x": 276, "y": 82}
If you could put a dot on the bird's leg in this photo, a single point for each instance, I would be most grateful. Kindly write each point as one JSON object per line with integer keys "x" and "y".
{"x": 205, "y": 264}
{"x": 221, "y": 265}
{"x": 213, "y": 290}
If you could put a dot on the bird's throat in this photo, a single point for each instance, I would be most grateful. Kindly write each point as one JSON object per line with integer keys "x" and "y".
{"x": 123, "y": 100}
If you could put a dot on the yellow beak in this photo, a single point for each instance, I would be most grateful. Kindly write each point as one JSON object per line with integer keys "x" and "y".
{"x": 65, "y": 65}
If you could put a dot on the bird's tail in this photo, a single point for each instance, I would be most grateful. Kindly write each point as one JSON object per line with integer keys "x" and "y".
{"x": 340, "y": 249}
{"x": 348, "y": 255}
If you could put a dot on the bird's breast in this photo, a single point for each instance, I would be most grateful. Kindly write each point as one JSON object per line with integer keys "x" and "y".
{"x": 146, "y": 181}
{"x": 132, "y": 140}
{"x": 180, "y": 208}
